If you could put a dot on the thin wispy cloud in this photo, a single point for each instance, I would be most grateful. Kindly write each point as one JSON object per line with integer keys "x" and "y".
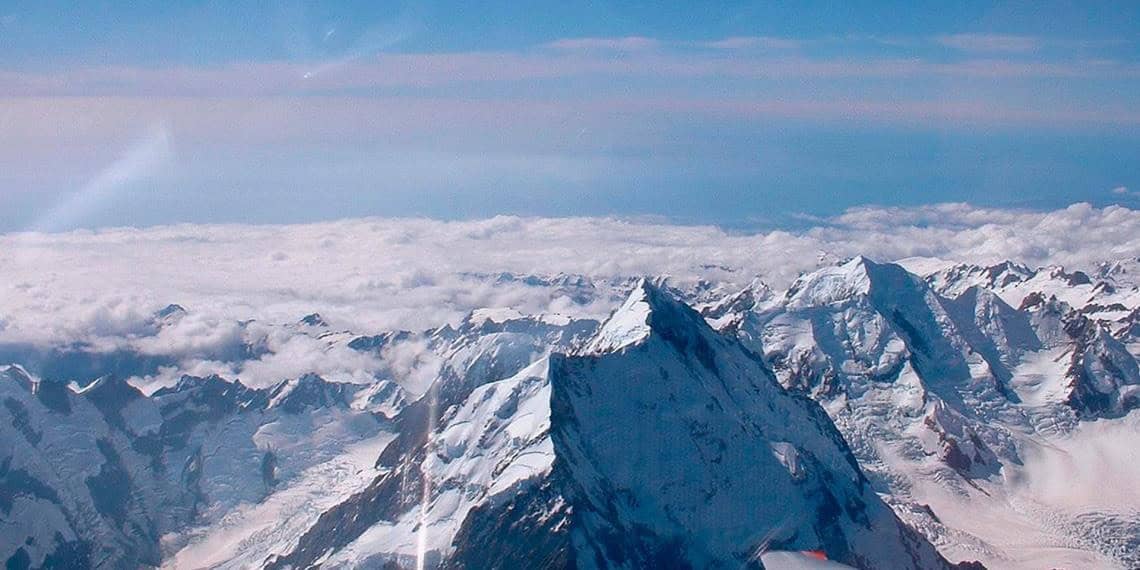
{"x": 990, "y": 43}
{"x": 628, "y": 43}
{"x": 753, "y": 42}
{"x": 1125, "y": 193}
{"x": 615, "y": 59}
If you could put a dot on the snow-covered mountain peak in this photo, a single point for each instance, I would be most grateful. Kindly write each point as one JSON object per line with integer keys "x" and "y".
{"x": 1126, "y": 270}
{"x": 595, "y": 448}
{"x": 649, "y": 307}
{"x": 310, "y": 391}
{"x": 169, "y": 314}
{"x": 488, "y": 319}
{"x": 724, "y": 313}
{"x": 1071, "y": 278}
{"x": 521, "y": 439}
{"x": 858, "y": 277}
{"x": 213, "y": 394}
{"x": 313, "y": 320}
{"x": 833, "y": 284}
{"x": 629, "y": 324}
{"x": 212, "y": 383}
{"x": 16, "y": 373}
{"x": 689, "y": 391}
{"x": 953, "y": 280}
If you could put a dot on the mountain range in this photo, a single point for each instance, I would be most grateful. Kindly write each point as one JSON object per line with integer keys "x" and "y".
{"x": 876, "y": 415}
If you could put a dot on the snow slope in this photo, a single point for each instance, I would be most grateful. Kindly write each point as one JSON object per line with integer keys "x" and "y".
{"x": 944, "y": 396}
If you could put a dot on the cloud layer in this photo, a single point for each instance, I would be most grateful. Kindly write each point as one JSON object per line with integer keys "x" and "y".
{"x": 378, "y": 274}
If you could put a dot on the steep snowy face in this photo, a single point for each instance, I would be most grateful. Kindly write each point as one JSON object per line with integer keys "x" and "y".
{"x": 493, "y": 345}
{"x": 953, "y": 281}
{"x": 725, "y": 314}
{"x": 903, "y": 373}
{"x": 839, "y": 328}
{"x": 944, "y": 396}
{"x": 488, "y": 451}
{"x": 660, "y": 441}
{"x": 492, "y": 354}
{"x": 832, "y": 285}
{"x": 679, "y": 445}
{"x": 1001, "y": 333}
{"x": 1102, "y": 378}
{"x": 1107, "y": 295}
{"x": 629, "y": 325}
{"x": 77, "y": 486}
{"x": 104, "y": 476}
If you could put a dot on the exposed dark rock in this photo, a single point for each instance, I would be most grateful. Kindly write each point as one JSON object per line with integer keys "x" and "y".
{"x": 313, "y": 320}
{"x": 22, "y": 421}
{"x": 111, "y": 395}
{"x": 17, "y": 482}
{"x": 111, "y": 487}
{"x": 308, "y": 392}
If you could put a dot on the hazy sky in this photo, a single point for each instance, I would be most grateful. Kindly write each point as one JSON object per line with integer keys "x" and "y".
{"x": 139, "y": 113}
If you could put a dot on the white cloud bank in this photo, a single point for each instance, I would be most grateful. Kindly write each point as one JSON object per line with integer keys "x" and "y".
{"x": 377, "y": 274}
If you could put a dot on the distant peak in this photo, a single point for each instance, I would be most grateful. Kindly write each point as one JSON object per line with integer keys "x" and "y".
{"x": 168, "y": 315}
{"x": 212, "y": 382}
{"x": 955, "y": 280}
{"x": 310, "y": 390}
{"x": 833, "y": 284}
{"x": 95, "y": 385}
{"x": 314, "y": 320}
{"x": 188, "y": 382}
{"x": 859, "y": 261}
{"x": 1010, "y": 266}
{"x": 170, "y": 310}
{"x": 855, "y": 278}
{"x": 746, "y": 299}
{"x": 18, "y": 374}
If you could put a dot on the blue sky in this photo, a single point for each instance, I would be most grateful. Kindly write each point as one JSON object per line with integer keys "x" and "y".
{"x": 736, "y": 113}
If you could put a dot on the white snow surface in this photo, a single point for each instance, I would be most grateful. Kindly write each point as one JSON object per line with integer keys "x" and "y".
{"x": 250, "y": 532}
{"x": 497, "y": 441}
{"x": 627, "y": 326}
